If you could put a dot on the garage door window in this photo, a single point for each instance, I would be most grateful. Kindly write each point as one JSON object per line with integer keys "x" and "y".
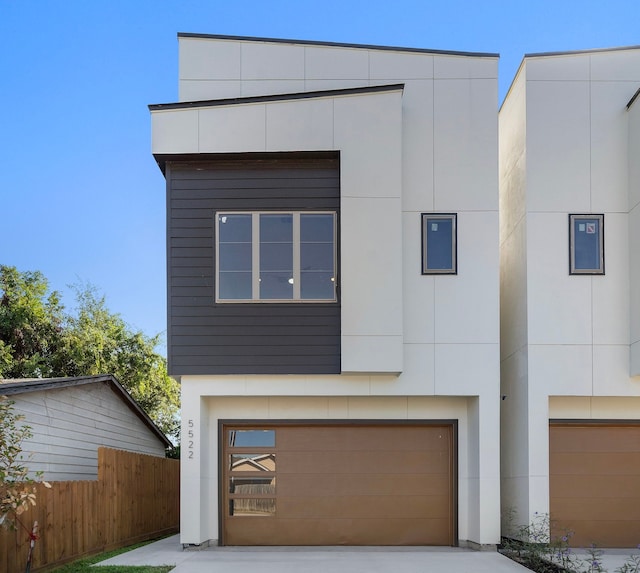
{"x": 251, "y": 471}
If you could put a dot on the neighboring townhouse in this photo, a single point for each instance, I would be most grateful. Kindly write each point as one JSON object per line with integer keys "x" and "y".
{"x": 570, "y": 277}
{"x": 70, "y": 418}
{"x": 333, "y": 292}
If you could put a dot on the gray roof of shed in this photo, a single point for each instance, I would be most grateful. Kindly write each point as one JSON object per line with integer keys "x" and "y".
{"x": 10, "y": 387}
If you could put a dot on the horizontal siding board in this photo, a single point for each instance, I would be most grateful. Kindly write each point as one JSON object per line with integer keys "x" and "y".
{"x": 253, "y": 310}
{"x": 191, "y": 242}
{"x": 186, "y": 271}
{"x": 254, "y": 360}
{"x": 249, "y": 170}
{"x": 310, "y": 340}
{"x": 264, "y": 350}
{"x": 191, "y": 281}
{"x": 283, "y": 369}
{"x": 258, "y": 187}
{"x": 256, "y": 330}
{"x": 205, "y": 337}
{"x": 193, "y": 262}
{"x": 298, "y": 203}
{"x": 185, "y": 226}
{"x": 241, "y": 320}
{"x": 199, "y": 252}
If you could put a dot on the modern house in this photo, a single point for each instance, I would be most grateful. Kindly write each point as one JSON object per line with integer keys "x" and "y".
{"x": 570, "y": 277}
{"x": 70, "y": 418}
{"x": 333, "y": 292}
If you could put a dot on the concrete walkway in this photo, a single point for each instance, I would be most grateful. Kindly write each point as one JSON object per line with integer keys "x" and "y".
{"x": 317, "y": 559}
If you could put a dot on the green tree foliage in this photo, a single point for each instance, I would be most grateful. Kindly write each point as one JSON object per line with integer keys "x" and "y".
{"x": 31, "y": 326}
{"x": 39, "y": 339}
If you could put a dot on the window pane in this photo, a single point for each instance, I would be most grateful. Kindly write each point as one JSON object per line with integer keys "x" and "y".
{"x": 276, "y": 228}
{"x": 316, "y": 257}
{"x": 252, "y": 507}
{"x": 586, "y": 234}
{"x": 252, "y": 462}
{"x": 252, "y": 485}
{"x": 276, "y": 257}
{"x": 235, "y": 257}
{"x": 252, "y": 438}
{"x": 317, "y": 285}
{"x": 316, "y": 228}
{"x": 439, "y": 247}
{"x": 276, "y": 285}
{"x": 234, "y": 285}
{"x": 234, "y": 228}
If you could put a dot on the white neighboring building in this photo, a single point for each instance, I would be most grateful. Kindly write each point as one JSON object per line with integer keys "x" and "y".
{"x": 70, "y": 418}
{"x": 570, "y": 311}
{"x": 368, "y": 406}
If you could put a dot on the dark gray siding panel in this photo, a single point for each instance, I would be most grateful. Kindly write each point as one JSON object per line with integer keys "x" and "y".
{"x": 250, "y": 338}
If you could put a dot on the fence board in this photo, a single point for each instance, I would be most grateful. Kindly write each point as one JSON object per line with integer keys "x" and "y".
{"x": 135, "y": 498}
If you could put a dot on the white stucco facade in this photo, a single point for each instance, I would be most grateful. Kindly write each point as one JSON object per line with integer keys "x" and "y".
{"x": 568, "y": 144}
{"x": 413, "y": 346}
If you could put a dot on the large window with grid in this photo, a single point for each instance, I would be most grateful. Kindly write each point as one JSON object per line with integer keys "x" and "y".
{"x": 276, "y": 256}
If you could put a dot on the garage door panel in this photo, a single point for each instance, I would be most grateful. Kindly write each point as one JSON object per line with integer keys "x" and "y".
{"x": 612, "y": 486}
{"x": 600, "y": 463}
{"x": 364, "y": 507}
{"x": 596, "y": 509}
{"x": 350, "y": 484}
{"x": 361, "y": 462}
{"x": 341, "y": 532}
{"x": 597, "y": 439}
{"x": 384, "y": 438}
{"x": 593, "y": 485}
{"x": 605, "y": 534}
{"x": 297, "y": 485}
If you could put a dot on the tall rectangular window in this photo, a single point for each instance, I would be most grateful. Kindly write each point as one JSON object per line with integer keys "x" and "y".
{"x": 586, "y": 244}
{"x": 276, "y": 256}
{"x": 439, "y": 249}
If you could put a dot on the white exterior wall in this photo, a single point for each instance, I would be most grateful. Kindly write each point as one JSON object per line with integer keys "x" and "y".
{"x": 514, "y": 412}
{"x": 634, "y": 234}
{"x": 69, "y": 424}
{"x": 577, "y": 327}
{"x": 418, "y": 341}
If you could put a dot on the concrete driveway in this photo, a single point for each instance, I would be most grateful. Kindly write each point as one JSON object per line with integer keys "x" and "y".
{"x": 317, "y": 559}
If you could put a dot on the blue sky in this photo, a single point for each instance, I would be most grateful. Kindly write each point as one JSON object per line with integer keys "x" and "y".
{"x": 82, "y": 199}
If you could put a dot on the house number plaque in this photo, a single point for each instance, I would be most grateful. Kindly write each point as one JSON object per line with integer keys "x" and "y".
{"x": 190, "y": 439}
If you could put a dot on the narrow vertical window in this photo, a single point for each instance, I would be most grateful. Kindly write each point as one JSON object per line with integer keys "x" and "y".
{"x": 586, "y": 244}
{"x": 317, "y": 256}
{"x": 439, "y": 249}
{"x": 234, "y": 256}
{"x": 276, "y": 256}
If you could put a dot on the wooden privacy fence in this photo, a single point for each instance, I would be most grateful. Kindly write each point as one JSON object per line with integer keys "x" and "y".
{"x": 135, "y": 498}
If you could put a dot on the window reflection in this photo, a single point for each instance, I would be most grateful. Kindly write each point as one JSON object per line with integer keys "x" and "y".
{"x": 252, "y": 462}
{"x": 252, "y": 438}
{"x": 252, "y": 507}
{"x": 252, "y": 485}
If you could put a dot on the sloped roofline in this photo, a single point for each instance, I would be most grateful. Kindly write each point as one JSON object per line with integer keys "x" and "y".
{"x": 578, "y": 52}
{"x": 10, "y": 387}
{"x": 276, "y": 97}
{"x": 337, "y": 45}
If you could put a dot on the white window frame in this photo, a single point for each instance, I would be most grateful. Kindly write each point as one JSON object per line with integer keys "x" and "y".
{"x": 255, "y": 257}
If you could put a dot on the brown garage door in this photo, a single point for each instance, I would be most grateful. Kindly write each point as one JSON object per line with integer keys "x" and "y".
{"x": 595, "y": 482}
{"x": 344, "y": 484}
